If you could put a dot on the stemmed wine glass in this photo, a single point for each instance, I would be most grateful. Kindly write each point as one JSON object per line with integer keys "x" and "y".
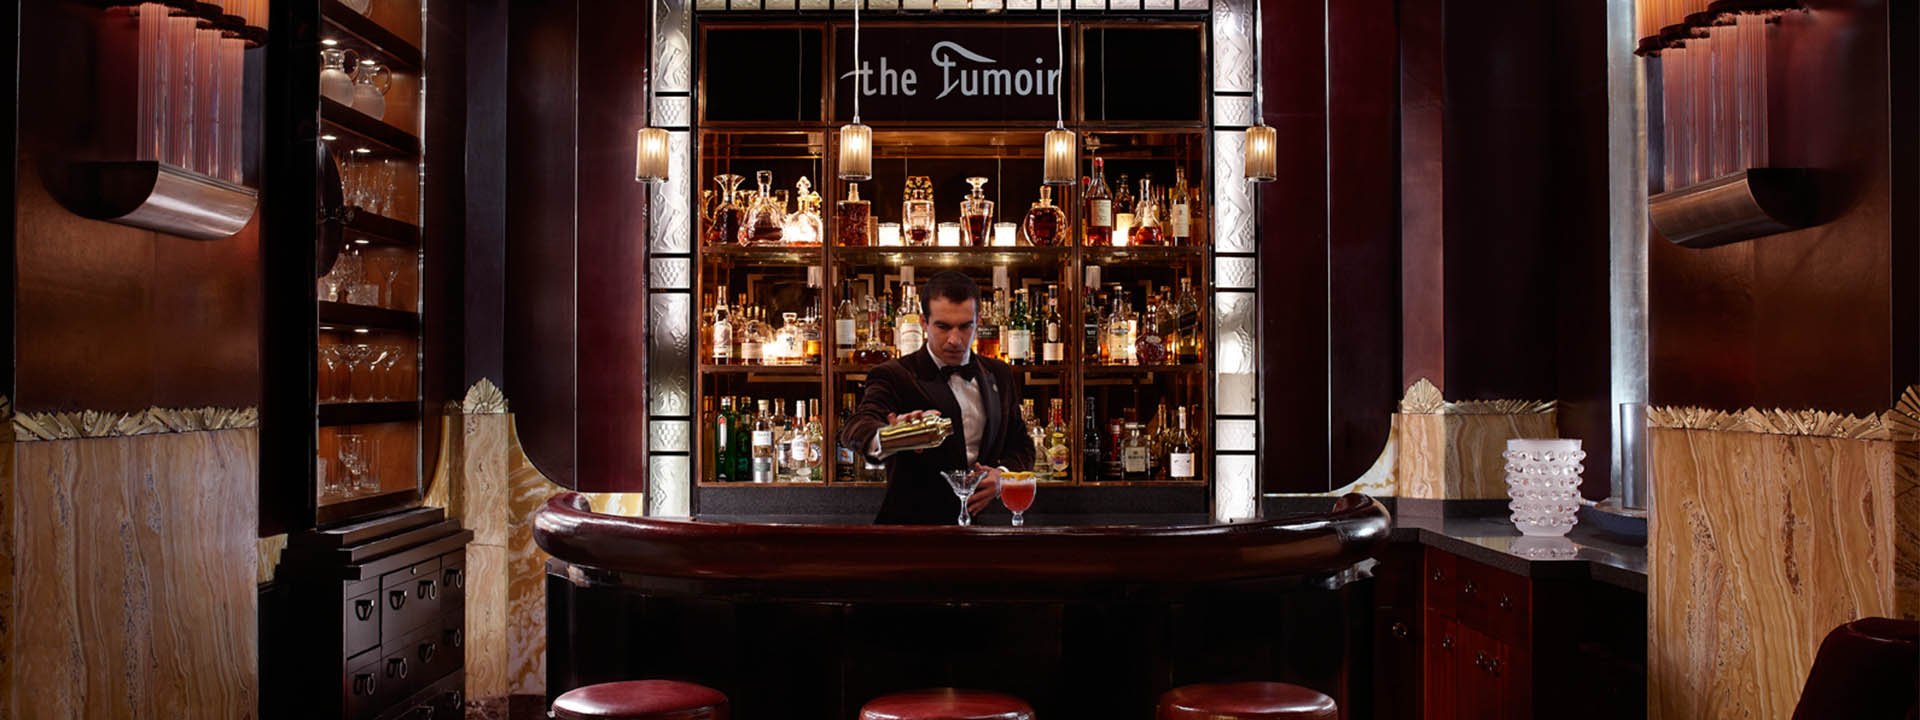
{"x": 392, "y": 383}
{"x": 353, "y": 458}
{"x": 377, "y": 382}
{"x": 329, "y": 364}
{"x": 355, "y": 355}
{"x": 963, "y": 482}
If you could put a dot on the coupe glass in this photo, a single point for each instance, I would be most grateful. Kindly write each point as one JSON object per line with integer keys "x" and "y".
{"x": 355, "y": 355}
{"x": 963, "y": 482}
{"x": 393, "y": 383}
{"x": 329, "y": 367}
{"x": 1017, "y": 494}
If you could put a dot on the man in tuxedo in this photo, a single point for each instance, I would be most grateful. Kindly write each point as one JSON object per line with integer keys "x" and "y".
{"x": 980, "y": 394}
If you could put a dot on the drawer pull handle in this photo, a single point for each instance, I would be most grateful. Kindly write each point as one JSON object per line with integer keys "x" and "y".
{"x": 363, "y": 684}
{"x": 1493, "y": 666}
{"x": 1468, "y": 588}
{"x": 397, "y": 668}
{"x": 457, "y": 578}
{"x": 427, "y": 651}
{"x": 396, "y": 599}
{"x": 363, "y": 609}
{"x": 1480, "y": 660}
{"x": 456, "y": 638}
{"x": 1439, "y": 576}
{"x": 1506, "y": 602}
{"x": 427, "y": 590}
{"x": 1400, "y": 630}
{"x": 1446, "y": 642}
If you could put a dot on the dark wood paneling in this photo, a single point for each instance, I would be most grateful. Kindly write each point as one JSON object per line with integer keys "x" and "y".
{"x": 9, "y": 171}
{"x": 443, "y": 325}
{"x": 1293, "y": 252}
{"x": 1577, "y": 233}
{"x": 1805, "y": 318}
{"x": 542, "y": 140}
{"x": 1364, "y": 242}
{"x": 1904, "y": 78}
{"x": 484, "y": 297}
{"x": 611, "y": 296}
{"x": 1423, "y": 87}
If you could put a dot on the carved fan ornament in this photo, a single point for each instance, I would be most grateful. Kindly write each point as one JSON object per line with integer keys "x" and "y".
{"x": 484, "y": 398}
{"x": 1900, "y": 423}
{"x": 31, "y": 427}
{"x": 1423, "y": 398}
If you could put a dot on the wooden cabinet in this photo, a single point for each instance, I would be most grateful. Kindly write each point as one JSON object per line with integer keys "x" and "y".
{"x": 1477, "y": 659}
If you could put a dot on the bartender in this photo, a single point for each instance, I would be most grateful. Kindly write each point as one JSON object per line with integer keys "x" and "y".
{"x": 981, "y": 395}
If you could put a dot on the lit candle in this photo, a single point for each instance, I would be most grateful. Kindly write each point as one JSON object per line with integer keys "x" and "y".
{"x": 948, "y": 234}
{"x": 1122, "y": 229}
{"x": 890, "y": 234}
{"x": 1003, "y": 235}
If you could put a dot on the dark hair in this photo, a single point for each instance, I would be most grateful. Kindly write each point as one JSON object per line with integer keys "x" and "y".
{"x": 952, "y": 286}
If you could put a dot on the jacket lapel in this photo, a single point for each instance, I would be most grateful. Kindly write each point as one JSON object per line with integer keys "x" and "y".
{"x": 990, "y": 404}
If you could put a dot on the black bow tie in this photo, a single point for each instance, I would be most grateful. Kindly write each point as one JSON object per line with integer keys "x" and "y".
{"x": 968, "y": 371}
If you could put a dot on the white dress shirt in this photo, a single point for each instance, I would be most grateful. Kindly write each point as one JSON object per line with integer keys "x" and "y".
{"x": 973, "y": 412}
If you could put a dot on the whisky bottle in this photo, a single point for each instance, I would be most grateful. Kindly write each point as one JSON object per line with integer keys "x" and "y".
{"x": 1186, "y": 318}
{"x": 722, "y": 331}
{"x": 785, "y": 348}
{"x": 845, "y": 457}
{"x": 709, "y": 449}
{"x": 816, "y": 440}
{"x": 852, "y": 218}
{"x": 1090, "y": 335}
{"x": 1019, "y": 332}
{"x": 766, "y": 222}
{"x": 763, "y": 452}
{"x": 811, "y": 342}
{"x": 1150, "y": 348}
{"x": 729, "y": 219}
{"x": 1120, "y": 330}
{"x": 875, "y": 350}
{"x": 1147, "y": 229}
{"x": 1059, "y": 446}
{"x": 1044, "y": 221}
{"x": 1037, "y": 436}
{"x": 1053, "y": 345}
{"x": 1090, "y": 458}
{"x": 1133, "y": 455}
{"x": 909, "y": 329}
{"x": 1123, "y": 198}
{"x": 1180, "y": 450}
{"x": 1099, "y": 215}
{"x": 753, "y": 340}
{"x": 986, "y": 339}
{"x": 916, "y": 212}
{"x": 976, "y": 215}
{"x": 1179, "y": 212}
{"x": 845, "y": 325}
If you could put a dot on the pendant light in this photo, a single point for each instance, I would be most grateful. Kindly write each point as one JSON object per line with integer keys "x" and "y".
{"x": 856, "y": 140}
{"x": 650, "y": 162}
{"x": 1260, "y": 165}
{"x": 1061, "y": 164}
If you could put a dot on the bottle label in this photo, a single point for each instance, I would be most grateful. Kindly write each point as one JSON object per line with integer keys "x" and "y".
{"x": 1100, "y": 212}
{"x": 843, "y": 333}
{"x": 1133, "y": 459}
{"x": 1058, "y": 457}
{"x": 749, "y": 350}
{"x": 722, "y": 343}
{"x": 908, "y": 339}
{"x": 797, "y": 449}
{"x": 720, "y": 435}
{"x": 1053, "y": 352}
{"x": 1182, "y": 219}
{"x": 762, "y": 439}
{"x": 1020, "y": 345}
{"x": 1180, "y": 465}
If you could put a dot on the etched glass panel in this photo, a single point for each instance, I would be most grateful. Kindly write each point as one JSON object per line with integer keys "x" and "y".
{"x": 668, "y": 435}
{"x": 883, "y": 4}
{"x": 673, "y": 47}
{"x": 705, "y": 5}
{"x": 1233, "y": 111}
{"x": 1089, "y": 4}
{"x": 669, "y": 357}
{"x": 916, "y": 4}
{"x": 1193, "y": 4}
{"x": 672, "y": 111}
{"x": 1022, "y": 5}
{"x": 1236, "y": 435}
{"x": 1235, "y": 487}
{"x": 671, "y": 227}
{"x": 1233, "y": 46}
{"x": 779, "y": 4}
{"x": 1235, "y": 352}
{"x": 669, "y": 273}
{"x": 668, "y": 481}
{"x": 1238, "y": 272}
{"x": 1233, "y": 218}
{"x": 1160, "y": 4}
{"x": 1124, "y": 5}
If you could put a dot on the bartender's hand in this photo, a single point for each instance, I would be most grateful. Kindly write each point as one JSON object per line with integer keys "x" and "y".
{"x": 893, "y": 419}
{"x": 988, "y": 489}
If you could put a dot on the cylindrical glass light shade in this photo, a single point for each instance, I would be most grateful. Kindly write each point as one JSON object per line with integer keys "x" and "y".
{"x": 1060, "y": 167}
{"x": 856, "y": 152}
{"x": 650, "y": 159}
{"x": 1261, "y": 165}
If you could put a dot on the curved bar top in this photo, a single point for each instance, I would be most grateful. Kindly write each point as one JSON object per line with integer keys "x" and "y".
{"x": 1354, "y": 530}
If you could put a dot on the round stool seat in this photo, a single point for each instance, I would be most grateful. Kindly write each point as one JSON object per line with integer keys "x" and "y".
{"x": 1245, "y": 701}
{"x": 641, "y": 700}
{"x": 946, "y": 704}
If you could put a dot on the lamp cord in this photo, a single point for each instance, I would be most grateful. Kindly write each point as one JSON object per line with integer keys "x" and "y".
{"x": 859, "y": 73}
{"x": 1259, "y": 88}
{"x": 1060, "y": 44}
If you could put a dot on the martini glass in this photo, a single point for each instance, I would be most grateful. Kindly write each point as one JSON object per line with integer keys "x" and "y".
{"x": 963, "y": 482}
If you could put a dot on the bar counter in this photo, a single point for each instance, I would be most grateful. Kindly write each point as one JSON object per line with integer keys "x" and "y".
{"x": 805, "y": 621}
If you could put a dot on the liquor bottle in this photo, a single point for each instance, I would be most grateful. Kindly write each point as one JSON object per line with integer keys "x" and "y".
{"x": 766, "y": 222}
{"x": 909, "y": 329}
{"x": 816, "y": 440}
{"x": 1157, "y": 433}
{"x": 852, "y": 218}
{"x": 1180, "y": 450}
{"x": 1037, "y": 435}
{"x": 1059, "y": 445}
{"x": 1090, "y": 336}
{"x": 1090, "y": 459}
{"x": 976, "y": 215}
{"x": 1150, "y": 348}
{"x": 810, "y": 340}
{"x": 1019, "y": 331}
{"x": 1099, "y": 215}
{"x": 719, "y": 460}
{"x": 1053, "y": 342}
{"x": 799, "y": 449}
{"x": 1120, "y": 330}
{"x": 1147, "y": 228}
{"x": 785, "y": 348}
{"x": 730, "y": 217}
{"x": 752, "y": 341}
{"x": 1133, "y": 455}
{"x": 722, "y": 331}
{"x": 763, "y": 452}
{"x": 1179, "y": 213}
{"x": 709, "y": 449}
{"x": 845, "y": 325}
{"x": 1044, "y": 221}
{"x": 986, "y": 338}
{"x": 1186, "y": 318}
{"x": 803, "y": 226}
{"x": 741, "y": 444}
{"x": 916, "y": 212}
{"x": 706, "y": 326}
{"x": 1116, "y": 440}
{"x": 1123, "y": 198}
{"x": 845, "y": 457}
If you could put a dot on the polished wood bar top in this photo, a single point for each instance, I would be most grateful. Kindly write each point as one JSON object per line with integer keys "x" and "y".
{"x": 1353, "y": 530}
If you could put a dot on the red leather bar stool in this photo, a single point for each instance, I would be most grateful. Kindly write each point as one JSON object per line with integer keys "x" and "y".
{"x": 946, "y": 704}
{"x": 641, "y": 700}
{"x": 1245, "y": 701}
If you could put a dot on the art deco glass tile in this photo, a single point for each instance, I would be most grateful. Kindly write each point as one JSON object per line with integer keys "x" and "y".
{"x": 669, "y": 478}
{"x": 672, "y": 111}
{"x": 779, "y": 4}
{"x": 1235, "y": 111}
{"x": 1236, "y": 435}
{"x": 1233, "y": 46}
{"x": 1124, "y": 4}
{"x": 669, "y": 355}
{"x": 1236, "y": 272}
{"x": 1235, "y": 353}
{"x": 671, "y": 228}
{"x": 1193, "y": 4}
{"x": 673, "y": 47}
{"x": 1160, "y": 4}
{"x": 1235, "y": 487}
{"x": 668, "y": 435}
{"x": 705, "y": 5}
{"x": 669, "y": 273}
{"x": 1022, "y": 5}
{"x": 1233, "y": 217}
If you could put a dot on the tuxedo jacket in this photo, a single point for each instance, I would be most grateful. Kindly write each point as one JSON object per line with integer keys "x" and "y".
{"x": 916, "y": 494}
